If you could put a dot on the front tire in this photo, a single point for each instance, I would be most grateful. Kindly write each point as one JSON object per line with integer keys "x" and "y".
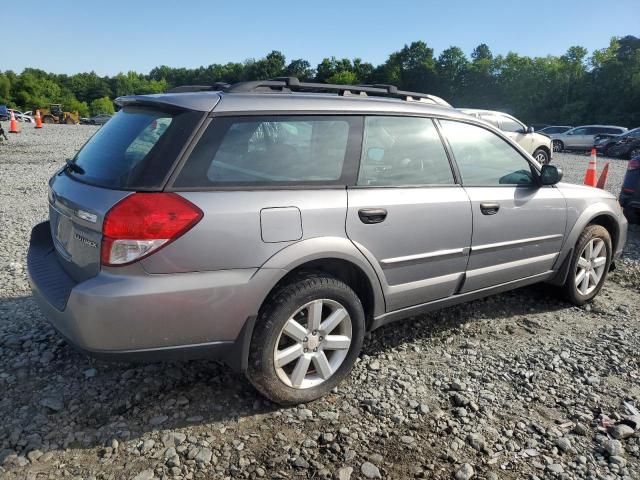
{"x": 541, "y": 156}
{"x": 307, "y": 338}
{"x": 589, "y": 265}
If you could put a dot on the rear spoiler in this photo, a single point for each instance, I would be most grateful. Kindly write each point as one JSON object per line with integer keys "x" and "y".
{"x": 171, "y": 102}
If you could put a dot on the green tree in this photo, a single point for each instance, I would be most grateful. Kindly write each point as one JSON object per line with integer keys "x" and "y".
{"x": 5, "y": 88}
{"x": 101, "y": 105}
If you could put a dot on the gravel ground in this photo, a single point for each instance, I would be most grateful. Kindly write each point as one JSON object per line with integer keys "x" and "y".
{"x": 519, "y": 385}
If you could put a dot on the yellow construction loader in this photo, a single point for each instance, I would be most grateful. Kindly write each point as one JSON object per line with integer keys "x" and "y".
{"x": 55, "y": 114}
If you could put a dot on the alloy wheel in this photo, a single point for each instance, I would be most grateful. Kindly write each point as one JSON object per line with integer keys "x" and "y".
{"x": 313, "y": 344}
{"x": 541, "y": 157}
{"x": 590, "y": 266}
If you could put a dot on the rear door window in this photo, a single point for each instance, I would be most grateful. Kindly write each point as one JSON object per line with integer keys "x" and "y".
{"x": 136, "y": 149}
{"x": 403, "y": 151}
{"x": 580, "y": 131}
{"x": 274, "y": 150}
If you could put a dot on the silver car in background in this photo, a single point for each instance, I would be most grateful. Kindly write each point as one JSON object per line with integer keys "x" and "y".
{"x": 582, "y": 138}
{"x": 272, "y": 224}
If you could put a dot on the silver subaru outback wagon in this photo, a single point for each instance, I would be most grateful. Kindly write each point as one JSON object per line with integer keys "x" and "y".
{"x": 272, "y": 224}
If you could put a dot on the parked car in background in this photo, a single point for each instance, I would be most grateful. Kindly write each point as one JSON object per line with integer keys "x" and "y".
{"x": 99, "y": 119}
{"x": 581, "y": 138}
{"x": 4, "y": 113}
{"x": 614, "y": 145}
{"x": 539, "y": 146}
{"x": 538, "y": 126}
{"x": 20, "y": 116}
{"x": 630, "y": 193}
{"x": 628, "y": 147}
{"x": 272, "y": 238}
{"x": 550, "y": 130}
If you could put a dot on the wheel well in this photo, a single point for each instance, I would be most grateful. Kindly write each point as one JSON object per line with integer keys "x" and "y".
{"x": 610, "y": 224}
{"x": 545, "y": 148}
{"x": 343, "y": 270}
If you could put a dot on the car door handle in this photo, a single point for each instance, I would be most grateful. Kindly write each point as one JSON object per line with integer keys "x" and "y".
{"x": 372, "y": 215}
{"x": 489, "y": 208}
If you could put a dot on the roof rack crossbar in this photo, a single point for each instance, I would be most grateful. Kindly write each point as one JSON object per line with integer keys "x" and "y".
{"x": 218, "y": 86}
{"x": 291, "y": 84}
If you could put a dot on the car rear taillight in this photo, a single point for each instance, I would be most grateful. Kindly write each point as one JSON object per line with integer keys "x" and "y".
{"x": 634, "y": 164}
{"x": 142, "y": 223}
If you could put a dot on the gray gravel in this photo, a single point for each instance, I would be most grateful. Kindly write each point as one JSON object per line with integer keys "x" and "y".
{"x": 515, "y": 386}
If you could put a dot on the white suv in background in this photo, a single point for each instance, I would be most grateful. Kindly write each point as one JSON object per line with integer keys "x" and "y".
{"x": 539, "y": 146}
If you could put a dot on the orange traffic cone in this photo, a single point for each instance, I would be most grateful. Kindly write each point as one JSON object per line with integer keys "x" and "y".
{"x": 13, "y": 124}
{"x": 590, "y": 176}
{"x": 38, "y": 119}
{"x": 603, "y": 176}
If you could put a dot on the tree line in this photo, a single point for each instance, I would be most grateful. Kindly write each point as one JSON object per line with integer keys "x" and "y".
{"x": 573, "y": 88}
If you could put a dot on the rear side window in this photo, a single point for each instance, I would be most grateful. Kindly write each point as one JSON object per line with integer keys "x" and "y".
{"x": 273, "y": 150}
{"x": 135, "y": 149}
{"x": 485, "y": 159}
{"x": 403, "y": 151}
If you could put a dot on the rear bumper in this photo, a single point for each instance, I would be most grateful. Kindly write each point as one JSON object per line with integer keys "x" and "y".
{"x": 147, "y": 317}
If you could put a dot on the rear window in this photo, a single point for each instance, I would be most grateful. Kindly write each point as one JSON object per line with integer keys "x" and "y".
{"x": 273, "y": 150}
{"x": 135, "y": 149}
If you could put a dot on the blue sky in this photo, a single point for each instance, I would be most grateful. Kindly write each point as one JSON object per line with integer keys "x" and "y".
{"x": 114, "y": 36}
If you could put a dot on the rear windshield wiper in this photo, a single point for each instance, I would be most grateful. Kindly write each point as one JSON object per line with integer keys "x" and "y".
{"x": 73, "y": 167}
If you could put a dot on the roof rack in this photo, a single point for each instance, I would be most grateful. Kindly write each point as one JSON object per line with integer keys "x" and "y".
{"x": 292, "y": 84}
{"x": 218, "y": 86}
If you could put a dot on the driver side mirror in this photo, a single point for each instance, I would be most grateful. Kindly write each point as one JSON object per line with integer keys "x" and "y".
{"x": 530, "y": 129}
{"x": 550, "y": 175}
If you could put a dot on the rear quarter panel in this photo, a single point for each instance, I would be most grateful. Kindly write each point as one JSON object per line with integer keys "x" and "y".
{"x": 230, "y": 235}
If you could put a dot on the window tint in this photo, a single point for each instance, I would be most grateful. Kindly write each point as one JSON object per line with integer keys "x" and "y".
{"x": 510, "y": 125}
{"x": 492, "y": 119}
{"x": 135, "y": 149}
{"x": 271, "y": 150}
{"x": 595, "y": 130}
{"x": 484, "y": 158}
{"x": 634, "y": 133}
{"x": 580, "y": 131}
{"x": 403, "y": 151}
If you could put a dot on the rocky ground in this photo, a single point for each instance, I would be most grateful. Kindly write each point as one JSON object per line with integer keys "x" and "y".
{"x": 520, "y": 385}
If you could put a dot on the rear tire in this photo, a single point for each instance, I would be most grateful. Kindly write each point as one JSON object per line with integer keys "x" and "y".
{"x": 297, "y": 355}
{"x": 48, "y": 119}
{"x": 557, "y": 146}
{"x": 541, "y": 156}
{"x": 589, "y": 265}
{"x": 635, "y": 152}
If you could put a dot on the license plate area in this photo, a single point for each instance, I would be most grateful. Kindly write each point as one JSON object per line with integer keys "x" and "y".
{"x": 62, "y": 229}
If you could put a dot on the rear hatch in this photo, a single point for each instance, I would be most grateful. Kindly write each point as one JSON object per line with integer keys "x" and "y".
{"x": 135, "y": 151}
